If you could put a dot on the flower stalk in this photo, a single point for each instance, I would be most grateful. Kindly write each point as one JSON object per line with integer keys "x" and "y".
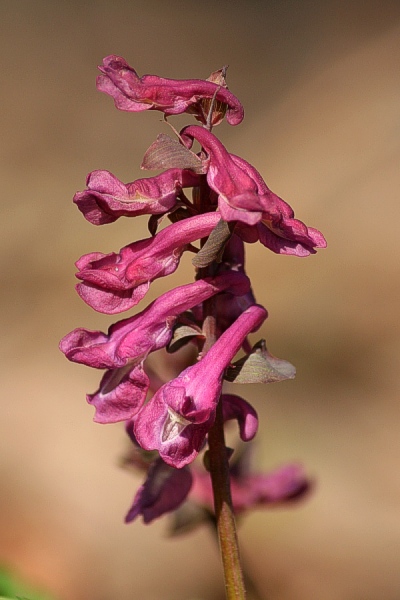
{"x": 218, "y": 466}
{"x": 224, "y": 512}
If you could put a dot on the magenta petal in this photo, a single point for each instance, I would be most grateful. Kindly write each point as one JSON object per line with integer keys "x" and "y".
{"x": 111, "y": 301}
{"x": 245, "y": 209}
{"x": 235, "y": 407}
{"x": 284, "y": 245}
{"x": 317, "y": 238}
{"x": 163, "y": 491}
{"x": 285, "y": 484}
{"x": 101, "y": 185}
{"x": 170, "y": 423}
{"x": 121, "y": 82}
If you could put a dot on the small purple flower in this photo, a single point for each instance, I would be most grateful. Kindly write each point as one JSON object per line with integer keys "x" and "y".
{"x": 170, "y": 96}
{"x": 163, "y": 491}
{"x": 107, "y": 198}
{"x": 112, "y": 283}
{"x": 123, "y": 350}
{"x": 176, "y": 420}
{"x": 243, "y": 196}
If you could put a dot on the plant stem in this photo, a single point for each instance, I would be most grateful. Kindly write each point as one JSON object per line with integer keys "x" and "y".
{"x": 228, "y": 542}
{"x": 219, "y": 471}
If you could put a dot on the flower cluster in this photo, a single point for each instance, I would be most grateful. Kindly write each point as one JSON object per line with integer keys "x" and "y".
{"x": 230, "y": 205}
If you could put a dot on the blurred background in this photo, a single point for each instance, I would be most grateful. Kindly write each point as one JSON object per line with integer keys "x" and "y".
{"x": 320, "y": 85}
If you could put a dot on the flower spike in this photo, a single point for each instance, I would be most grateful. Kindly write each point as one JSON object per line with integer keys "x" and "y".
{"x": 200, "y": 326}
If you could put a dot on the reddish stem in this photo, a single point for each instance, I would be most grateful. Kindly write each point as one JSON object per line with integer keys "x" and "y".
{"x": 219, "y": 471}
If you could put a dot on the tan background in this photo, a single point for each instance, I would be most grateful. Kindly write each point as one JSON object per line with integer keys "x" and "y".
{"x": 320, "y": 85}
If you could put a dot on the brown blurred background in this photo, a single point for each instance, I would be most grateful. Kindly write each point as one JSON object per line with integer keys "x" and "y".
{"x": 320, "y": 85}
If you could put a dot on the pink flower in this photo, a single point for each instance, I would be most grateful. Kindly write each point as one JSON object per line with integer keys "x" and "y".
{"x": 107, "y": 198}
{"x": 112, "y": 283}
{"x": 243, "y": 196}
{"x": 123, "y": 350}
{"x": 176, "y": 420}
{"x": 170, "y": 96}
